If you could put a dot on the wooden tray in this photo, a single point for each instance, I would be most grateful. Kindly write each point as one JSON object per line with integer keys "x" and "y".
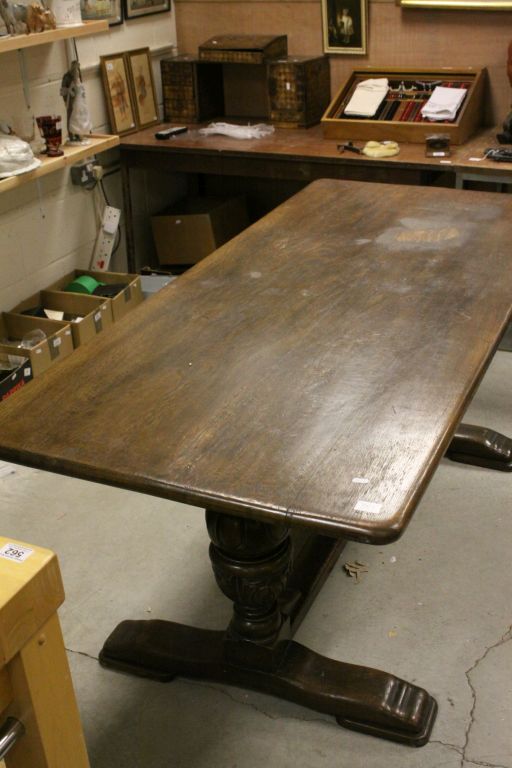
{"x": 407, "y": 124}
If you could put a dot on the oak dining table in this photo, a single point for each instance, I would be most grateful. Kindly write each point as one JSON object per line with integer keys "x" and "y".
{"x": 301, "y": 385}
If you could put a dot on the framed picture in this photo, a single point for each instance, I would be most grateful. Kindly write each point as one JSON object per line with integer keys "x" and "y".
{"x": 140, "y": 73}
{"x": 466, "y": 5}
{"x": 92, "y": 10}
{"x": 345, "y": 26}
{"x": 116, "y": 81}
{"x": 133, "y": 9}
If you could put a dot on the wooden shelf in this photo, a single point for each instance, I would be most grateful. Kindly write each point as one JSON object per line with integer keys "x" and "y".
{"x": 99, "y": 143}
{"x": 18, "y": 42}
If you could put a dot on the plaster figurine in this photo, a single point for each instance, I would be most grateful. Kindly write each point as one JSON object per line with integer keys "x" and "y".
{"x": 73, "y": 92}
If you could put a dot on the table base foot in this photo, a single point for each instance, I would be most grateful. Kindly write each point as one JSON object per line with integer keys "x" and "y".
{"x": 482, "y": 447}
{"x": 360, "y": 698}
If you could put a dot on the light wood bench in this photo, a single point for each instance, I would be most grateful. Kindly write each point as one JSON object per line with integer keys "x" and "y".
{"x": 35, "y": 681}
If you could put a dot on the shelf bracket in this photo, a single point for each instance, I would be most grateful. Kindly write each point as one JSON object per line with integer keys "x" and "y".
{"x": 24, "y": 78}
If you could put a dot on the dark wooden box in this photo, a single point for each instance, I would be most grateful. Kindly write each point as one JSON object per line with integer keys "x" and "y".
{"x": 299, "y": 90}
{"x": 290, "y": 91}
{"x": 192, "y": 91}
{"x": 244, "y": 49}
{"x": 408, "y": 126}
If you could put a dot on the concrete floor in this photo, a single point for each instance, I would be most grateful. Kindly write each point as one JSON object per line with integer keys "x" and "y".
{"x": 434, "y": 608}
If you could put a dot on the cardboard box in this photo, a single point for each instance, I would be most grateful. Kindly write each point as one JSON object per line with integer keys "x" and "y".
{"x": 194, "y": 227}
{"x": 11, "y": 382}
{"x": 129, "y": 298}
{"x": 151, "y": 284}
{"x": 57, "y": 345}
{"x": 96, "y": 313}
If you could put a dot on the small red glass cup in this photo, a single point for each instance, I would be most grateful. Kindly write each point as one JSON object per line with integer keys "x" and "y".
{"x": 51, "y": 131}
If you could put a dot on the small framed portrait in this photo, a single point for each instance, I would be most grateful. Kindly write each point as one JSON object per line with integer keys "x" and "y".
{"x": 345, "y": 26}
{"x": 133, "y": 9}
{"x": 140, "y": 73}
{"x": 92, "y": 10}
{"x": 116, "y": 82}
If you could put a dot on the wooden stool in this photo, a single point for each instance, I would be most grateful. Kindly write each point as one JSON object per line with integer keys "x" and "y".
{"x": 35, "y": 681}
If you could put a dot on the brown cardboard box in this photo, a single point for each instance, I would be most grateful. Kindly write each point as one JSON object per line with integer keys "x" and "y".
{"x": 124, "y": 302}
{"x": 195, "y": 226}
{"x": 96, "y": 313}
{"x": 20, "y": 374}
{"x": 57, "y": 345}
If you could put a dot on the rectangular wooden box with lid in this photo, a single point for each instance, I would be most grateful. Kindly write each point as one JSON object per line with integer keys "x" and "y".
{"x": 399, "y": 116}
{"x": 299, "y": 88}
{"x": 193, "y": 91}
{"x": 244, "y": 49}
{"x": 291, "y": 91}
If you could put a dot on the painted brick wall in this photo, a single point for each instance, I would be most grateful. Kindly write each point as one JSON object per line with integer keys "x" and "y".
{"x": 49, "y": 227}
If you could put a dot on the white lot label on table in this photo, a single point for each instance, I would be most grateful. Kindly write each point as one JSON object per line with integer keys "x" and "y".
{"x": 15, "y": 552}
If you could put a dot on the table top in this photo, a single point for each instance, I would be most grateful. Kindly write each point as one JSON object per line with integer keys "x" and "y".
{"x": 308, "y": 144}
{"x": 313, "y": 369}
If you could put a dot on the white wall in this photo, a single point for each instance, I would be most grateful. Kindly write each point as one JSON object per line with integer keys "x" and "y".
{"x": 49, "y": 227}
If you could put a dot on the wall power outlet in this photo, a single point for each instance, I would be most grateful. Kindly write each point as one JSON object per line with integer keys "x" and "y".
{"x": 106, "y": 238}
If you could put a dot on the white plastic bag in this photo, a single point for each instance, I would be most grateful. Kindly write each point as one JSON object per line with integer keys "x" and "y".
{"x": 238, "y": 131}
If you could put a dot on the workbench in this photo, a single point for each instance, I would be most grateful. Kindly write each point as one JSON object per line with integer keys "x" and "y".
{"x": 298, "y": 156}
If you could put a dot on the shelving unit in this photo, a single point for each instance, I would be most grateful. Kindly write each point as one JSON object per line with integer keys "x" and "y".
{"x": 72, "y": 154}
{"x": 18, "y": 42}
{"x": 99, "y": 143}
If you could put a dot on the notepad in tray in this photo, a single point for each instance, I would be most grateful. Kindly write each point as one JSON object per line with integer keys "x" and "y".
{"x": 444, "y": 103}
{"x": 367, "y": 97}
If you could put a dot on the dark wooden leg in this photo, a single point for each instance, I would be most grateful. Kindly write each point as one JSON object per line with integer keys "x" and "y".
{"x": 252, "y": 562}
{"x": 128, "y": 215}
{"x": 481, "y": 446}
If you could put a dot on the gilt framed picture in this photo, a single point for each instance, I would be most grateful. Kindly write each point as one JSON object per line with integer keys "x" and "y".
{"x": 140, "y": 73}
{"x": 92, "y": 10}
{"x": 345, "y": 26}
{"x": 116, "y": 82}
{"x": 133, "y": 9}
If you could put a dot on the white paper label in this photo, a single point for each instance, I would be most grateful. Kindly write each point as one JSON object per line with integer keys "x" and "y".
{"x": 27, "y": 372}
{"x": 97, "y": 317}
{"x": 110, "y": 66}
{"x": 438, "y": 154}
{"x": 446, "y": 162}
{"x": 15, "y": 552}
{"x": 372, "y": 507}
{"x": 57, "y": 342}
{"x": 476, "y": 159}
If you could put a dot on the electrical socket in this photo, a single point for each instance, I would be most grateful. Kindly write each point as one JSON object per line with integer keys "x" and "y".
{"x": 82, "y": 174}
{"x": 105, "y": 240}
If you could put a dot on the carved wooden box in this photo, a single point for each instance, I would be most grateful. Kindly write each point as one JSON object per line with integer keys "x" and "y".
{"x": 299, "y": 89}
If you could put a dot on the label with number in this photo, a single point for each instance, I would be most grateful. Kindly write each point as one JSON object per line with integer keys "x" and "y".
{"x": 15, "y": 552}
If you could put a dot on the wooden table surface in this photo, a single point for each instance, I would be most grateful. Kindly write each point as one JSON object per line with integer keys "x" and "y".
{"x": 312, "y": 370}
{"x": 310, "y": 145}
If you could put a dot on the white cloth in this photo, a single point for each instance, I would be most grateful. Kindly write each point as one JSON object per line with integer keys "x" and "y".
{"x": 444, "y": 103}
{"x": 367, "y": 97}
{"x": 16, "y": 156}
